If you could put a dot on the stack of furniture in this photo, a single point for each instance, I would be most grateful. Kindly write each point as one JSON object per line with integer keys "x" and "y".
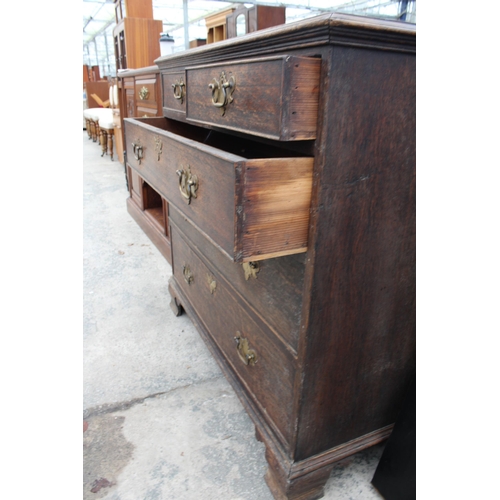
{"x": 287, "y": 161}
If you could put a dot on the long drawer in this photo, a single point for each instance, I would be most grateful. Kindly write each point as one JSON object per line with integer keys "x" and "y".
{"x": 266, "y": 370}
{"x": 272, "y": 288}
{"x": 250, "y": 199}
{"x": 275, "y": 97}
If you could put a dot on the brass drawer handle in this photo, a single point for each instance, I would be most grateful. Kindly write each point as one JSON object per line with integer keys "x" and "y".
{"x": 251, "y": 269}
{"x": 179, "y": 92}
{"x": 247, "y": 355}
{"x": 188, "y": 276}
{"x": 222, "y": 91}
{"x": 138, "y": 151}
{"x": 158, "y": 146}
{"x": 143, "y": 93}
{"x": 188, "y": 184}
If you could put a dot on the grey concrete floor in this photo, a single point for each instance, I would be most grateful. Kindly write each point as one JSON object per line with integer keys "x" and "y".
{"x": 160, "y": 420}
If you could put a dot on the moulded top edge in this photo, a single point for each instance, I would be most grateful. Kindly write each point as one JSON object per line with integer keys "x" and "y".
{"x": 316, "y": 30}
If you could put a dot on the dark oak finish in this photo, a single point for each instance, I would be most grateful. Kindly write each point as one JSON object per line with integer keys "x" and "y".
{"x": 253, "y": 208}
{"x": 275, "y": 367}
{"x": 273, "y": 297}
{"x": 332, "y": 329}
{"x": 275, "y": 98}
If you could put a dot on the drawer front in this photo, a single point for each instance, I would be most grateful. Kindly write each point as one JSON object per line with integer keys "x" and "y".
{"x": 269, "y": 382}
{"x": 275, "y": 98}
{"x": 273, "y": 288}
{"x": 145, "y": 91}
{"x": 252, "y": 209}
{"x": 174, "y": 93}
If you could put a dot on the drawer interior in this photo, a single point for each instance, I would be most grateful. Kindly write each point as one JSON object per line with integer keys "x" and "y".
{"x": 239, "y": 146}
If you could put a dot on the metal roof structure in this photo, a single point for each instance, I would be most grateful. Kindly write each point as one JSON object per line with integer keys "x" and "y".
{"x": 99, "y": 20}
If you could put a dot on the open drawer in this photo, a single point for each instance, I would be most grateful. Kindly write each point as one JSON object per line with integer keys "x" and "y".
{"x": 250, "y": 199}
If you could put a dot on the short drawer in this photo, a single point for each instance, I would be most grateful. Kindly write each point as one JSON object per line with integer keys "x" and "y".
{"x": 266, "y": 371}
{"x": 146, "y": 91}
{"x": 250, "y": 199}
{"x": 274, "y": 97}
{"x": 174, "y": 93}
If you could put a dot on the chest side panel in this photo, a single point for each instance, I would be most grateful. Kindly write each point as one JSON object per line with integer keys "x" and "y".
{"x": 361, "y": 336}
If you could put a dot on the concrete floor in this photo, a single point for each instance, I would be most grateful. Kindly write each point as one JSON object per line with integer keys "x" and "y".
{"x": 160, "y": 420}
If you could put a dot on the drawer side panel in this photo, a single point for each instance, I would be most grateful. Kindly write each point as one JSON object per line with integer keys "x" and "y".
{"x": 276, "y": 200}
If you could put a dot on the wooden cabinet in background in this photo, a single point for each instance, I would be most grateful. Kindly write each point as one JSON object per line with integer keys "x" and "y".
{"x": 137, "y": 42}
{"x": 216, "y": 26}
{"x": 246, "y": 20}
{"x": 136, "y": 34}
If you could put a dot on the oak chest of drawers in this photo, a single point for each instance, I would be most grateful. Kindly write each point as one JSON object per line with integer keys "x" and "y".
{"x": 287, "y": 158}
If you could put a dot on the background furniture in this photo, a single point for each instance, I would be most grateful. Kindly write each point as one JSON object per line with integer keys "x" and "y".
{"x": 287, "y": 157}
{"x": 136, "y": 34}
{"x": 91, "y": 73}
{"x": 246, "y": 20}
{"x": 216, "y": 26}
{"x": 198, "y": 42}
{"x": 101, "y": 89}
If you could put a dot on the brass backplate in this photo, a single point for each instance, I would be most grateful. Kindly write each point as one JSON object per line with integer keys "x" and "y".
{"x": 158, "y": 146}
{"x": 247, "y": 355}
{"x": 251, "y": 269}
{"x": 188, "y": 275}
{"x": 211, "y": 283}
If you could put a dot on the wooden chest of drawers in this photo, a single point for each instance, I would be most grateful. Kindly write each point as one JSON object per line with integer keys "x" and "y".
{"x": 287, "y": 158}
